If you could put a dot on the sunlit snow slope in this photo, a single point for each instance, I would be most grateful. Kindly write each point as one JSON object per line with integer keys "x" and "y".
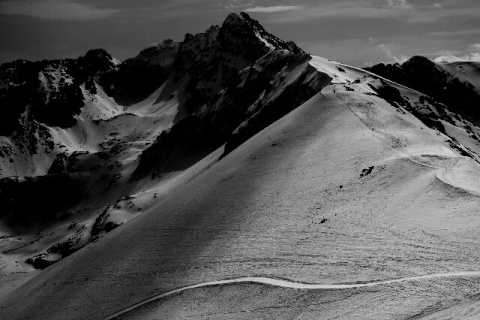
{"x": 271, "y": 164}
{"x": 366, "y": 181}
{"x": 87, "y": 144}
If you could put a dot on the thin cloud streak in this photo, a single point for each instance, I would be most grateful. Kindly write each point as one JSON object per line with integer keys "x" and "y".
{"x": 399, "y": 4}
{"x": 472, "y": 55}
{"x": 455, "y": 33}
{"x": 55, "y": 10}
{"x": 388, "y": 51}
{"x": 387, "y": 9}
{"x": 273, "y": 9}
{"x": 346, "y": 9}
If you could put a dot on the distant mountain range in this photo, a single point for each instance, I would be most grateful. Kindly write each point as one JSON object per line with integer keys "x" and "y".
{"x": 455, "y": 84}
{"x": 230, "y": 153}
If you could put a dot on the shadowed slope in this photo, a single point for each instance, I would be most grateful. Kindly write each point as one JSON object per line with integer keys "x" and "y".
{"x": 140, "y": 125}
{"x": 327, "y": 194}
{"x": 455, "y": 86}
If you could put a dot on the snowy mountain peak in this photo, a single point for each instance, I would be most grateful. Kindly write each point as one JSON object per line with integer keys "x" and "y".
{"x": 230, "y": 129}
{"x": 459, "y": 91}
{"x": 419, "y": 60}
{"x": 160, "y": 45}
{"x": 241, "y": 21}
{"x": 161, "y": 53}
{"x": 241, "y": 27}
{"x": 235, "y": 152}
{"x": 466, "y": 71}
{"x": 97, "y": 60}
{"x": 423, "y": 63}
{"x": 99, "y": 54}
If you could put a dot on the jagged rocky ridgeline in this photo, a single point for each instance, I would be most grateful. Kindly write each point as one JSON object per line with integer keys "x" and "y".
{"x": 82, "y": 138}
{"x": 77, "y": 128}
{"x": 50, "y": 89}
{"x": 446, "y": 83}
{"x": 173, "y": 163}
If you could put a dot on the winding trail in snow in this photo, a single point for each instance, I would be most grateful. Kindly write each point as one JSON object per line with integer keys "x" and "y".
{"x": 288, "y": 284}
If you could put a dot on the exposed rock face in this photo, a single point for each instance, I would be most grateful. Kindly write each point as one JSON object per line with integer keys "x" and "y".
{"x": 69, "y": 123}
{"x": 198, "y": 142}
{"x": 213, "y": 60}
{"x": 136, "y": 78}
{"x": 81, "y": 136}
{"x": 49, "y": 88}
{"x": 431, "y": 78}
{"x": 237, "y": 76}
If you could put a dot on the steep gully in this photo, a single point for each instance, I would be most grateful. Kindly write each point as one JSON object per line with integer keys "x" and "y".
{"x": 289, "y": 284}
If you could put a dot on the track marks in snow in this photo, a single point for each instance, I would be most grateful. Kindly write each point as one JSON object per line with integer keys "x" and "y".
{"x": 458, "y": 172}
{"x": 291, "y": 285}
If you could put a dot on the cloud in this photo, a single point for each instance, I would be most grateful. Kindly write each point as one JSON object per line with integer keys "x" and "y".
{"x": 461, "y": 32}
{"x": 471, "y": 54}
{"x": 388, "y": 51}
{"x": 272, "y": 9}
{"x": 399, "y": 4}
{"x": 402, "y": 10}
{"x": 54, "y": 10}
{"x": 363, "y": 9}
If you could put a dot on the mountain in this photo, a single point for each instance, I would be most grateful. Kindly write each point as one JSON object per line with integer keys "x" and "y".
{"x": 466, "y": 71}
{"x": 222, "y": 176}
{"x": 94, "y": 126}
{"x": 453, "y": 84}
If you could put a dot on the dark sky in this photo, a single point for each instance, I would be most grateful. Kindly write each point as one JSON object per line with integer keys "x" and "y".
{"x": 357, "y": 32}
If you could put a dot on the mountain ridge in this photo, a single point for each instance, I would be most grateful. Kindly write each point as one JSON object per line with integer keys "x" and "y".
{"x": 199, "y": 97}
{"x": 234, "y": 154}
{"x": 438, "y": 81}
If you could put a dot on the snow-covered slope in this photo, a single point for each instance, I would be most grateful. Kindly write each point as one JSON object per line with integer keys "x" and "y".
{"x": 454, "y": 84}
{"x": 257, "y": 163}
{"x": 130, "y": 128}
{"x": 466, "y": 71}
